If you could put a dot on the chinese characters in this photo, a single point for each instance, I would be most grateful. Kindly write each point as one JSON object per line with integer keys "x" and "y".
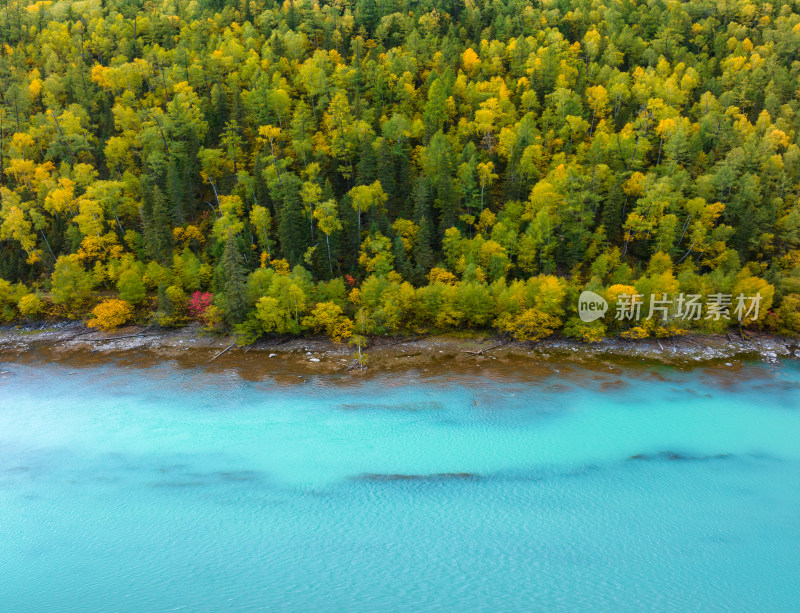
{"x": 688, "y": 307}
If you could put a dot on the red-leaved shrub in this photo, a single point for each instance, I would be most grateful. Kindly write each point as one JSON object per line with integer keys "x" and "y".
{"x": 199, "y": 303}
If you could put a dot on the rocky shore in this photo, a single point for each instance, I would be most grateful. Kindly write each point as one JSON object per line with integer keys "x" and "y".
{"x": 193, "y": 347}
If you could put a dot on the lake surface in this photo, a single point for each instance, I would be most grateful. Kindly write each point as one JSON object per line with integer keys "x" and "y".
{"x": 556, "y": 489}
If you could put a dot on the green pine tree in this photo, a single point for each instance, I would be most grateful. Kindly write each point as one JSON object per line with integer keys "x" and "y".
{"x": 235, "y": 282}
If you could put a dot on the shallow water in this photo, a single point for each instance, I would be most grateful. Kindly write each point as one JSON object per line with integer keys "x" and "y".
{"x": 162, "y": 489}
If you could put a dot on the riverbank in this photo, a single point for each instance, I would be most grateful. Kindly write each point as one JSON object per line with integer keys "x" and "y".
{"x": 192, "y": 346}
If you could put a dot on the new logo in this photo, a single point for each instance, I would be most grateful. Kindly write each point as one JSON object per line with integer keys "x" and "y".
{"x": 591, "y": 306}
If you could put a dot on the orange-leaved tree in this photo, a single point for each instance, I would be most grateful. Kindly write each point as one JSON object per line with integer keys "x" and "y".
{"x": 110, "y": 314}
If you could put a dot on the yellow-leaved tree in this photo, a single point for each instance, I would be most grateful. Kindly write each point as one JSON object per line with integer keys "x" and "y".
{"x": 110, "y": 314}
{"x": 529, "y": 325}
{"x": 328, "y": 317}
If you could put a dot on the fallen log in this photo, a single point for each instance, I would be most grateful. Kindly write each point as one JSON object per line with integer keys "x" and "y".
{"x": 113, "y": 338}
{"x": 482, "y": 351}
{"x": 228, "y": 348}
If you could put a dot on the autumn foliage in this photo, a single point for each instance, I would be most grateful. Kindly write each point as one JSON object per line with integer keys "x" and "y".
{"x": 110, "y": 314}
{"x": 327, "y": 317}
{"x": 284, "y": 167}
{"x": 529, "y": 325}
{"x": 199, "y": 302}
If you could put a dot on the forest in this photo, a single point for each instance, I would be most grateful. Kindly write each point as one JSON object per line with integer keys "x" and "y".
{"x": 366, "y": 167}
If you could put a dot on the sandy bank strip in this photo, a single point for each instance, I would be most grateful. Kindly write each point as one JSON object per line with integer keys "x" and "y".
{"x": 196, "y": 347}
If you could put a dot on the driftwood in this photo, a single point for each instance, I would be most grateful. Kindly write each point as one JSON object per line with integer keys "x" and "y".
{"x": 356, "y": 365}
{"x": 482, "y": 351}
{"x": 744, "y": 339}
{"x": 113, "y": 338}
{"x": 228, "y": 348}
{"x": 74, "y": 336}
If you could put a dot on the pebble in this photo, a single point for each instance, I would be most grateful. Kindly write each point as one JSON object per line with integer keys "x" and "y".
{"x": 272, "y": 355}
{"x": 313, "y": 359}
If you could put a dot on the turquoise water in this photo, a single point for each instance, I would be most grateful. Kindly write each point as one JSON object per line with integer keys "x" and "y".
{"x": 160, "y": 489}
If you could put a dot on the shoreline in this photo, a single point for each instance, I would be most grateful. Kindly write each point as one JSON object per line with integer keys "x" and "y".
{"x": 192, "y": 347}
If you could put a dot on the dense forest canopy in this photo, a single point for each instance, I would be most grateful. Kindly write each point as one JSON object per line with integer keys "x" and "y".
{"x": 382, "y": 166}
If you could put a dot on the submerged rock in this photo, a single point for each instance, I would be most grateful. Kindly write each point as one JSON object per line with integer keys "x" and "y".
{"x": 676, "y": 456}
{"x": 405, "y": 477}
